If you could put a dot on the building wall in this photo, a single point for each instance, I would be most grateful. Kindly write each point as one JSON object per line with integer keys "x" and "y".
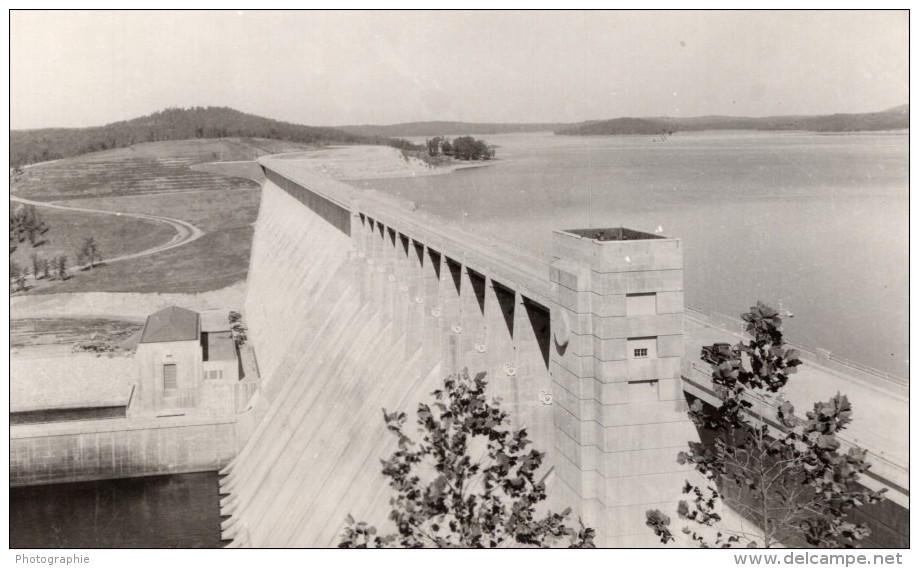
{"x": 150, "y": 396}
{"x": 221, "y": 398}
{"x": 228, "y": 371}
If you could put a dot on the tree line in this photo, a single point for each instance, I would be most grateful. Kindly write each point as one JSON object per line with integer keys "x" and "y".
{"x": 892, "y": 119}
{"x": 26, "y": 223}
{"x": 31, "y": 146}
{"x": 56, "y": 267}
{"x": 462, "y": 148}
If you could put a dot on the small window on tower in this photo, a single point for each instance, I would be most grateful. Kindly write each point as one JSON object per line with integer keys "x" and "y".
{"x": 642, "y": 347}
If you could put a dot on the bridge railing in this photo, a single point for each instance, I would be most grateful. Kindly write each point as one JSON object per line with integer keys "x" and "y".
{"x": 520, "y": 269}
{"x": 890, "y": 470}
{"x": 889, "y": 381}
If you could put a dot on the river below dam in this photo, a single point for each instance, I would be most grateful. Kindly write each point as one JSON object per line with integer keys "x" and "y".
{"x": 815, "y": 222}
{"x": 167, "y": 511}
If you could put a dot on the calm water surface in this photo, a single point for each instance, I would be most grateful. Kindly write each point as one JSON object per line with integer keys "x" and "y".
{"x": 818, "y": 222}
{"x": 171, "y": 511}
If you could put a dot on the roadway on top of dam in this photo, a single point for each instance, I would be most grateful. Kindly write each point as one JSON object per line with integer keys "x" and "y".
{"x": 880, "y": 402}
{"x": 520, "y": 269}
{"x": 880, "y": 405}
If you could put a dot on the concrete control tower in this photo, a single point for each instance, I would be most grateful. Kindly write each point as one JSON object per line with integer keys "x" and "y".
{"x": 620, "y": 414}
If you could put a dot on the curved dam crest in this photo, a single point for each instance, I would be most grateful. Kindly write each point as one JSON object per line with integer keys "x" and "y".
{"x": 355, "y": 305}
{"x": 357, "y": 302}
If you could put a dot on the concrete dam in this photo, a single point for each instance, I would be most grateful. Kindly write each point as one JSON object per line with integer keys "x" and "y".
{"x": 356, "y": 302}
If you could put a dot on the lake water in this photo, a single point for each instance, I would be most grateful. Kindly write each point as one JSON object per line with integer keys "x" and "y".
{"x": 169, "y": 511}
{"x": 818, "y": 222}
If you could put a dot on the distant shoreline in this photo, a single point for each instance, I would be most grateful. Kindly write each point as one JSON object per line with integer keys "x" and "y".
{"x": 353, "y": 163}
{"x": 891, "y": 132}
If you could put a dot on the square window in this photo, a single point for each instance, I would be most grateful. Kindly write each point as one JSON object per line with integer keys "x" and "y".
{"x": 641, "y": 352}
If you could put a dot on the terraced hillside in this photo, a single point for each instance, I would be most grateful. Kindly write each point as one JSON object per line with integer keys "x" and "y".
{"x": 158, "y": 167}
{"x": 70, "y": 179}
{"x": 154, "y": 179}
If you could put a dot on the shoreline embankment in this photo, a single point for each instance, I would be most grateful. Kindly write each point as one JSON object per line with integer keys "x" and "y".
{"x": 351, "y": 163}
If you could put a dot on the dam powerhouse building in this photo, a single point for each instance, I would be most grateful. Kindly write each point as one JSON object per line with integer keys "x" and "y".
{"x": 355, "y": 304}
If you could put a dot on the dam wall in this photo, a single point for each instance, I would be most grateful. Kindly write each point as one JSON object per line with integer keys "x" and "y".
{"x": 357, "y": 303}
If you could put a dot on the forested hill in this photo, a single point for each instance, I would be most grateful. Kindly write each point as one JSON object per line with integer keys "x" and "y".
{"x": 445, "y": 128}
{"x": 892, "y": 119}
{"x": 29, "y": 146}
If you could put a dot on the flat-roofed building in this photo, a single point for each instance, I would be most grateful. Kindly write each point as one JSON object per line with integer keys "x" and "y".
{"x": 221, "y": 362}
{"x": 180, "y": 361}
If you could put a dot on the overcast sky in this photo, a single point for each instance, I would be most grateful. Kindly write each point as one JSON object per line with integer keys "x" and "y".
{"x": 89, "y": 68}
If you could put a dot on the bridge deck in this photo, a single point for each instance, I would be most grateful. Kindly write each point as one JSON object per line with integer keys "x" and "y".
{"x": 881, "y": 412}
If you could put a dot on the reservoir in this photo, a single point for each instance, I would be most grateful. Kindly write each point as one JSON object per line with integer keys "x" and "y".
{"x": 816, "y": 222}
{"x": 169, "y": 511}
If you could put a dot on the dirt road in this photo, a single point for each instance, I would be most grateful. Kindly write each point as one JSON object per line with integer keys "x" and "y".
{"x": 185, "y": 232}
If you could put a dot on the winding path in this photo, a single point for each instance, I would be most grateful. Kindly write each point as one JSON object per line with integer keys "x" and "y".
{"x": 185, "y": 232}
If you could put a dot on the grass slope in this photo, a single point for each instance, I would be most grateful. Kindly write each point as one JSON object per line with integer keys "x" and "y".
{"x": 122, "y": 180}
{"x": 114, "y": 235}
{"x": 207, "y": 210}
{"x": 216, "y": 260}
{"x": 160, "y": 167}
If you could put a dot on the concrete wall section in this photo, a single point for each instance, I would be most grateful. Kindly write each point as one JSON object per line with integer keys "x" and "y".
{"x": 294, "y": 269}
{"x": 151, "y": 396}
{"x": 321, "y": 309}
{"x": 346, "y": 325}
{"x": 115, "y": 448}
{"x": 349, "y": 315}
{"x": 336, "y": 214}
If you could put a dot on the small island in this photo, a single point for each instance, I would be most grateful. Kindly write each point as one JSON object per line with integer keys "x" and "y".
{"x": 442, "y": 151}
{"x": 462, "y": 148}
